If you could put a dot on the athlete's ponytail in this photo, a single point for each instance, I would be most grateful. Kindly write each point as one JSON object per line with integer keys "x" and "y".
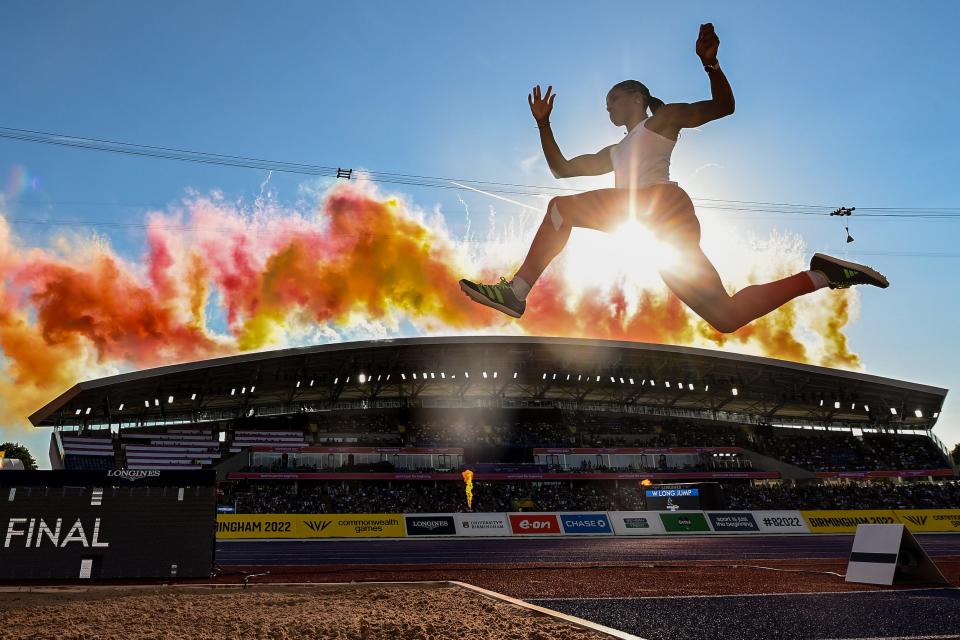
{"x": 635, "y": 86}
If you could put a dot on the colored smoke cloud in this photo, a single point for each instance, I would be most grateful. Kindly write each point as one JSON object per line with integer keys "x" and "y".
{"x": 357, "y": 265}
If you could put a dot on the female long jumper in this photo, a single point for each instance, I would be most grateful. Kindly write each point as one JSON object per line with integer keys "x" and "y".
{"x": 641, "y": 163}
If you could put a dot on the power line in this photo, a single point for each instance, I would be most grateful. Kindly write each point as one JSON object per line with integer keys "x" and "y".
{"x": 248, "y": 162}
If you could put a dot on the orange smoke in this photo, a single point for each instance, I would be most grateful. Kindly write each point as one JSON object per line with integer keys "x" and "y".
{"x": 357, "y": 266}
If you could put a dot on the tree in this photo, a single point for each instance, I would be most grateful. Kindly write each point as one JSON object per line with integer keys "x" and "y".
{"x": 20, "y": 452}
{"x": 955, "y": 454}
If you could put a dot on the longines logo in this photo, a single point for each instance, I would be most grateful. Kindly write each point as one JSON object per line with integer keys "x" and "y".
{"x": 133, "y": 474}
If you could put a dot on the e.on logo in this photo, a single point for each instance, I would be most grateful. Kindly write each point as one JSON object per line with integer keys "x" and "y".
{"x": 522, "y": 523}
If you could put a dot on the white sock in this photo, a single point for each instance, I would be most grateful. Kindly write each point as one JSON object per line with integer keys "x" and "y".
{"x": 818, "y": 279}
{"x": 520, "y": 288}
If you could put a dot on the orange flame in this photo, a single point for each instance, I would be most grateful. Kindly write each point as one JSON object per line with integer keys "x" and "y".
{"x": 358, "y": 266}
{"x": 468, "y": 479}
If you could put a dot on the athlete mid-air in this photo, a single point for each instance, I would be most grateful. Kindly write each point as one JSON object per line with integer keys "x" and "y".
{"x": 641, "y": 163}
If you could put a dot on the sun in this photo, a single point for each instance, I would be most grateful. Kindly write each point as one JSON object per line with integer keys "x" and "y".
{"x": 631, "y": 254}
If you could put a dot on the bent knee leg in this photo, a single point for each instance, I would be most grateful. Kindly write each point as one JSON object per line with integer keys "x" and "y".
{"x": 722, "y": 315}
{"x": 554, "y": 217}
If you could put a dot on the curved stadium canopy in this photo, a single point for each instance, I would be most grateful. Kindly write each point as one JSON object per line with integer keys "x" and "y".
{"x": 498, "y": 371}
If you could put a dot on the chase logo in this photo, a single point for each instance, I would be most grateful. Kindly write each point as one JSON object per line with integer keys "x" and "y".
{"x": 585, "y": 523}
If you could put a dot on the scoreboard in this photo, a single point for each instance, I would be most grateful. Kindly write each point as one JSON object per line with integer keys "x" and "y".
{"x": 107, "y": 524}
{"x": 695, "y": 496}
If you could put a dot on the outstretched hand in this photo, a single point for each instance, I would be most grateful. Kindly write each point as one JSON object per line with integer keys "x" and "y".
{"x": 708, "y": 44}
{"x": 541, "y": 107}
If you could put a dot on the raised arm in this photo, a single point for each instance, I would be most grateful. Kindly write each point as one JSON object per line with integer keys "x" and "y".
{"x": 681, "y": 115}
{"x": 592, "y": 164}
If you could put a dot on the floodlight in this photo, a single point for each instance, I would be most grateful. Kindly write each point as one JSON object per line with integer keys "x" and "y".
{"x": 734, "y": 391}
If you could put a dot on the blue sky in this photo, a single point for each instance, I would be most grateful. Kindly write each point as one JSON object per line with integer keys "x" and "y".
{"x": 837, "y": 103}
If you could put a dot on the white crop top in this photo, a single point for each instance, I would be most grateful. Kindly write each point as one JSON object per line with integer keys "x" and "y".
{"x": 642, "y": 158}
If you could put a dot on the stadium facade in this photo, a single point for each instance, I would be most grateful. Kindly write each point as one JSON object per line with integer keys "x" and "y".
{"x": 499, "y": 372}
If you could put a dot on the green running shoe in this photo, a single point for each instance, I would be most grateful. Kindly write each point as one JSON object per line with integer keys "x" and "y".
{"x": 843, "y": 274}
{"x": 500, "y": 296}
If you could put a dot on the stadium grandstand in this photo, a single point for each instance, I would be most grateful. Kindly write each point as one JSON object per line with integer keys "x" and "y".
{"x": 544, "y": 424}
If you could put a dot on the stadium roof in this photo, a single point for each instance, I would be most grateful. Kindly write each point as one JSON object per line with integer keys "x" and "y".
{"x": 498, "y": 371}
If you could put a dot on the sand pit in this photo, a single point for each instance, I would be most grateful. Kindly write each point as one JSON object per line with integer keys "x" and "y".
{"x": 279, "y": 613}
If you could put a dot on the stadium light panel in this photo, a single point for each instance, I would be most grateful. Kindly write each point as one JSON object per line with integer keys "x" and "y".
{"x": 146, "y": 403}
{"x": 706, "y": 388}
{"x": 156, "y": 402}
{"x": 362, "y": 378}
{"x": 598, "y": 378}
{"x": 514, "y": 375}
{"x": 87, "y": 412}
{"x": 485, "y": 375}
{"x": 243, "y": 390}
{"x": 233, "y": 391}
{"x": 690, "y": 386}
{"x": 653, "y": 383}
{"x": 866, "y": 408}
{"x": 388, "y": 377}
{"x": 253, "y": 388}
{"x": 821, "y": 402}
{"x": 853, "y": 405}
{"x": 414, "y": 376}
{"x": 169, "y": 399}
{"x": 621, "y": 381}
{"x": 495, "y": 375}
{"x": 443, "y": 376}
{"x": 936, "y": 414}
{"x": 836, "y": 404}
{"x": 121, "y": 407}
{"x": 579, "y": 377}
{"x": 734, "y": 391}
{"x": 667, "y": 382}
{"x": 893, "y": 411}
{"x": 424, "y": 375}
{"x": 380, "y": 375}
{"x": 298, "y": 383}
{"x": 347, "y": 381}
{"x": 311, "y": 382}
{"x": 568, "y": 377}
{"x": 918, "y": 413}
{"x": 554, "y": 377}
{"x": 466, "y": 374}
{"x": 612, "y": 379}
{"x": 433, "y": 375}
{"x": 631, "y": 380}
{"x": 77, "y": 412}
{"x": 193, "y": 396}
{"x": 403, "y": 376}
{"x": 680, "y": 386}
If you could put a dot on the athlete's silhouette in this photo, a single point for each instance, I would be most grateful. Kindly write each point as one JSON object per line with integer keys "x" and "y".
{"x": 641, "y": 163}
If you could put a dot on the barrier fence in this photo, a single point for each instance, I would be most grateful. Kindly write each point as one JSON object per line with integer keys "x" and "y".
{"x": 593, "y": 523}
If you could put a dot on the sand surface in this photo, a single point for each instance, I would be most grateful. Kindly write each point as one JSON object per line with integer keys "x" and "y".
{"x": 277, "y": 613}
